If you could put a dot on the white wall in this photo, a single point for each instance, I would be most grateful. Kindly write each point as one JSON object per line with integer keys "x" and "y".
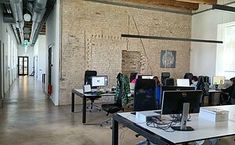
{"x": 204, "y": 26}
{"x": 53, "y": 39}
{"x": 9, "y": 58}
{"x": 40, "y": 51}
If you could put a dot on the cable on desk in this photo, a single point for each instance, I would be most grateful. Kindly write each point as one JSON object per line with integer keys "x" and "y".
{"x": 156, "y": 122}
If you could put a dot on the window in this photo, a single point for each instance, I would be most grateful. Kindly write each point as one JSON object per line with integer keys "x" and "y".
{"x": 225, "y": 59}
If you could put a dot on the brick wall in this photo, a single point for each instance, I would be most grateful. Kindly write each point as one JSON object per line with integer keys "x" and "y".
{"x": 91, "y": 39}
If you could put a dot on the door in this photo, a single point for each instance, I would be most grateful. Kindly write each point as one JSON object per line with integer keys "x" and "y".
{"x": 50, "y": 70}
{"x": 23, "y": 62}
{"x": 1, "y": 81}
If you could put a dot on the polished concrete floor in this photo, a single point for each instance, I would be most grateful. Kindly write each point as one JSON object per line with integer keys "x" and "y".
{"x": 29, "y": 118}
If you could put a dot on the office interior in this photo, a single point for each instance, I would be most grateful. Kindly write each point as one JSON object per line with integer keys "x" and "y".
{"x": 47, "y": 45}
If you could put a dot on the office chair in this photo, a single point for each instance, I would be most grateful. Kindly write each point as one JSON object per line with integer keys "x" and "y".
{"x": 121, "y": 97}
{"x": 164, "y": 76}
{"x": 144, "y": 96}
{"x": 144, "y": 99}
{"x": 87, "y": 80}
{"x": 169, "y": 82}
{"x": 204, "y": 86}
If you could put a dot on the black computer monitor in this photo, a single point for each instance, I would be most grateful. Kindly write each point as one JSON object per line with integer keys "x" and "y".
{"x": 181, "y": 103}
{"x": 172, "y": 88}
{"x": 172, "y": 102}
{"x": 99, "y": 81}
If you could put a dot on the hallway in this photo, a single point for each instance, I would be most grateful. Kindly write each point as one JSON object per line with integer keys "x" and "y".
{"x": 30, "y": 118}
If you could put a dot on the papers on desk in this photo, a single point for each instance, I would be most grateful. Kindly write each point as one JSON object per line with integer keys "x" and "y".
{"x": 214, "y": 114}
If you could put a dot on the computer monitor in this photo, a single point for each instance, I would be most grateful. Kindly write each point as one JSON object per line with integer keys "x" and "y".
{"x": 146, "y": 77}
{"x": 99, "y": 81}
{"x": 218, "y": 80}
{"x": 183, "y": 82}
{"x": 183, "y": 103}
{"x": 172, "y": 102}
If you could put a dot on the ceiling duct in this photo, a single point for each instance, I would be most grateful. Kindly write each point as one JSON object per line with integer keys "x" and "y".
{"x": 8, "y": 19}
{"x": 38, "y": 13}
{"x": 17, "y": 9}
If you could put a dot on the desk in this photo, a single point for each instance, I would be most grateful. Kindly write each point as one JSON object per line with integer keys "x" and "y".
{"x": 203, "y": 129}
{"x": 84, "y": 96}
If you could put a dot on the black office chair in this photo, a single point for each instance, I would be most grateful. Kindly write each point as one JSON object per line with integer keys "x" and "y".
{"x": 117, "y": 106}
{"x": 169, "y": 82}
{"x": 164, "y": 76}
{"x": 87, "y": 80}
{"x": 204, "y": 86}
{"x": 144, "y": 98}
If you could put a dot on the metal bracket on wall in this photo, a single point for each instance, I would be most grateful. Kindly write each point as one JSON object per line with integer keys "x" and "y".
{"x": 170, "y": 38}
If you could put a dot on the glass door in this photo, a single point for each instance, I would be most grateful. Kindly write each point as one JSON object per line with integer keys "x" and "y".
{"x": 23, "y": 62}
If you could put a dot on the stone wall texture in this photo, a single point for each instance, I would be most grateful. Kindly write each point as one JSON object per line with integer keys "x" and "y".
{"x": 91, "y": 39}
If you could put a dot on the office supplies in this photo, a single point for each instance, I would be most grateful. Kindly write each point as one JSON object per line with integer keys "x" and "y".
{"x": 144, "y": 116}
{"x": 214, "y": 114}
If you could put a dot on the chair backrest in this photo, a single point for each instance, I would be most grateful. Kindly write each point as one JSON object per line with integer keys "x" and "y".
{"x": 88, "y": 75}
{"x": 164, "y": 76}
{"x": 122, "y": 90}
{"x": 169, "y": 82}
{"x": 144, "y": 97}
{"x": 203, "y": 85}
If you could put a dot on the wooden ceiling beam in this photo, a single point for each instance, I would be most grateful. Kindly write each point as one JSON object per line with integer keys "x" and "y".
{"x": 209, "y": 2}
{"x": 168, "y": 3}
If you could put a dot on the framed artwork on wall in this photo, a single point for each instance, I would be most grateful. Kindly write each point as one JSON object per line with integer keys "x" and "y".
{"x": 168, "y": 59}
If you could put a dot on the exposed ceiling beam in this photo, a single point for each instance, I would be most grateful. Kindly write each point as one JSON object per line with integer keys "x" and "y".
{"x": 224, "y": 8}
{"x": 209, "y": 2}
{"x": 142, "y": 6}
{"x": 168, "y": 3}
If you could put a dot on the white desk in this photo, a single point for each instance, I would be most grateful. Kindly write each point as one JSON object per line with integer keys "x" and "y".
{"x": 203, "y": 129}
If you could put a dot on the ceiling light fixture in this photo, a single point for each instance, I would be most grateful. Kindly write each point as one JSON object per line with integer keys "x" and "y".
{"x": 27, "y": 17}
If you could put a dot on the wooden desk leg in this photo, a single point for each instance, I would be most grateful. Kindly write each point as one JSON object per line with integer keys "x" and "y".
{"x": 73, "y": 100}
{"x": 84, "y": 110}
{"x": 115, "y": 132}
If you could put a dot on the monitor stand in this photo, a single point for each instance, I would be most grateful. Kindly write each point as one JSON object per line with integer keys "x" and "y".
{"x": 184, "y": 119}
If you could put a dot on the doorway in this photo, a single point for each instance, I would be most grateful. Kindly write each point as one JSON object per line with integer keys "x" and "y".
{"x": 50, "y": 65}
{"x": 23, "y": 68}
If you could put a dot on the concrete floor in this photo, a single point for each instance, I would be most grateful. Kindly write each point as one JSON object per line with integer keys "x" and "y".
{"x": 29, "y": 118}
